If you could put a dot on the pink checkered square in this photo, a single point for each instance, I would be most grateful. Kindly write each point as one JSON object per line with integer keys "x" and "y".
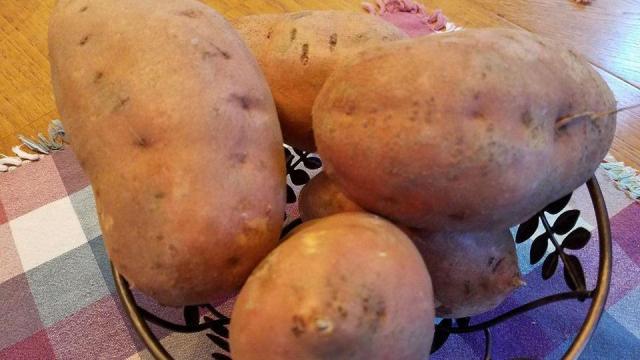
{"x": 72, "y": 175}
{"x": 30, "y": 187}
{"x": 95, "y": 332}
{"x": 37, "y": 346}
{"x": 9, "y": 261}
{"x": 3, "y": 215}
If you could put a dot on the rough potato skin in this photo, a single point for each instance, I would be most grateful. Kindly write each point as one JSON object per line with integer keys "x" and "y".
{"x": 460, "y": 131}
{"x": 321, "y": 197}
{"x": 256, "y": 31}
{"x": 173, "y": 121}
{"x": 300, "y": 52}
{"x": 472, "y": 273}
{"x": 332, "y": 291}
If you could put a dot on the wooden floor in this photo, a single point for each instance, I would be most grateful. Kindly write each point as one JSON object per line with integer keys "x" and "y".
{"x": 607, "y": 32}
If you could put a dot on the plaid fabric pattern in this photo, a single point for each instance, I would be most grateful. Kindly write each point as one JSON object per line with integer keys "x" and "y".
{"x": 58, "y": 301}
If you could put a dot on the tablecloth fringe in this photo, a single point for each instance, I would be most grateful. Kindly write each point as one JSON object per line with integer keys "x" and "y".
{"x": 625, "y": 177}
{"x": 42, "y": 145}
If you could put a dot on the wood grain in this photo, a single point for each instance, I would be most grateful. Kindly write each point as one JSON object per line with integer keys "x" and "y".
{"x": 608, "y": 32}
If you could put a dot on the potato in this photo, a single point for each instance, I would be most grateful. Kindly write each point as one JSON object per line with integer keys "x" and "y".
{"x": 173, "y": 121}
{"x": 332, "y": 291}
{"x": 298, "y": 54}
{"x": 472, "y": 273}
{"x": 463, "y": 131}
{"x": 256, "y": 31}
{"x": 321, "y": 197}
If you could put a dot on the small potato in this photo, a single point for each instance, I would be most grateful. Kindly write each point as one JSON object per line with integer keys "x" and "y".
{"x": 348, "y": 286}
{"x": 173, "y": 121}
{"x": 300, "y": 51}
{"x": 321, "y": 197}
{"x": 472, "y": 273}
{"x": 464, "y": 131}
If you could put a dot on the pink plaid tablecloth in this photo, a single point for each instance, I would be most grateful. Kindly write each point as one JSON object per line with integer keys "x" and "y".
{"x": 57, "y": 298}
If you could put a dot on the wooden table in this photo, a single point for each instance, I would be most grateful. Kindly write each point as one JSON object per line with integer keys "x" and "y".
{"x": 607, "y": 32}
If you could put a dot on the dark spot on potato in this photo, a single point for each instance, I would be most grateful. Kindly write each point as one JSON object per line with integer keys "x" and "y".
{"x": 299, "y": 326}
{"x": 365, "y": 304}
{"x": 239, "y": 157}
{"x": 98, "y": 76}
{"x": 245, "y": 102}
{"x": 491, "y": 260}
{"x": 160, "y": 195}
{"x": 526, "y": 118}
{"x": 467, "y": 287}
{"x": 122, "y": 102}
{"x": 495, "y": 267}
{"x": 294, "y": 33}
{"x": 233, "y": 261}
{"x": 207, "y": 55}
{"x": 160, "y": 237}
{"x": 217, "y": 52}
{"x": 191, "y": 13}
{"x": 304, "y": 58}
{"x": 142, "y": 142}
{"x": 476, "y": 114}
{"x": 443, "y": 310}
{"x": 269, "y": 34}
{"x": 483, "y": 75}
{"x": 453, "y": 176}
{"x": 485, "y": 284}
{"x": 333, "y": 41}
{"x": 84, "y": 40}
{"x": 458, "y": 216}
{"x": 300, "y": 15}
{"x": 490, "y": 127}
{"x": 172, "y": 248}
{"x": 572, "y": 53}
{"x": 84, "y": 8}
{"x": 342, "y": 312}
{"x": 432, "y": 99}
{"x": 349, "y": 109}
{"x": 476, "y": 96}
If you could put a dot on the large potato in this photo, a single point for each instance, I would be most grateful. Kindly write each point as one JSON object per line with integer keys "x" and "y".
{"x": 348, "y": 286}
{"x": 173, "y": 121}
{"x": 471, "y": 272}
{"x": 321, "y": 197}
{"x": 256, "y": 30}
{"x": 463, "y": 131}
{"x": 300, "y": 51}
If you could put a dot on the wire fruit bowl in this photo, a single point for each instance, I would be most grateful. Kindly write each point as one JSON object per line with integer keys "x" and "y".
{"x": 573, "y": 274}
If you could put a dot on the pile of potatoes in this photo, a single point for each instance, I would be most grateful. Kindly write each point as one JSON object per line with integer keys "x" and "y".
{"x": 432, "y": 148}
